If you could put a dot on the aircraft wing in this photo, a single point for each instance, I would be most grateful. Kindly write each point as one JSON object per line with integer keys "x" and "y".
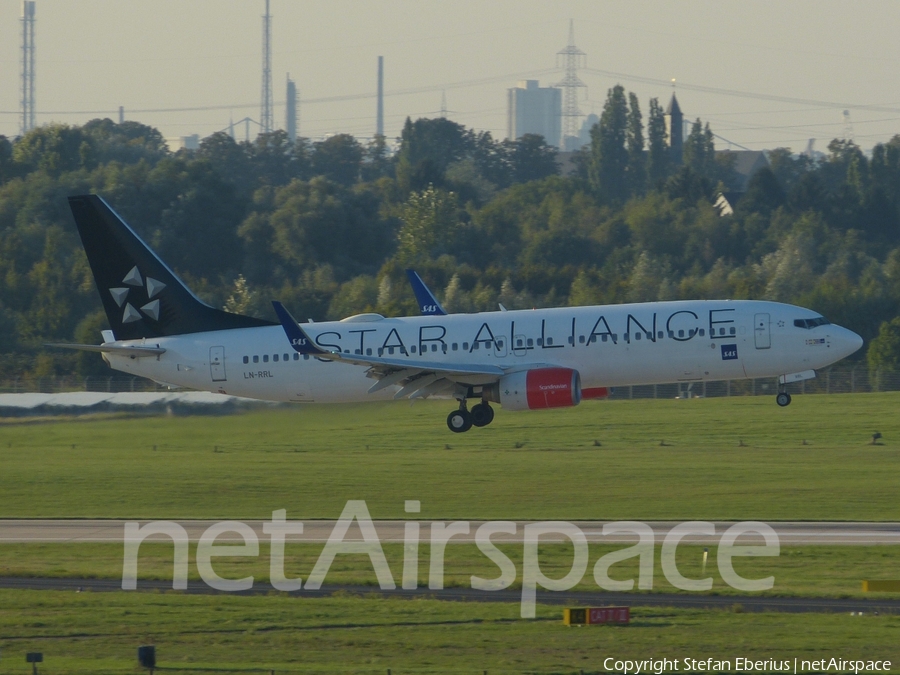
{"x": 428, "y": 304}
{"x": 416, "y": 378}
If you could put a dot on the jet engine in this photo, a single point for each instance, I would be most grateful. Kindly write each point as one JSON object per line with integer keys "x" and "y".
{"x": 537, "y": 389}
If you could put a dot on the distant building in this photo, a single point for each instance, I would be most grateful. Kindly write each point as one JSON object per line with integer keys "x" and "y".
{"x": 745, "y": 164}
{"x": 584, "y": 134}
{"x": 191, "y": 142}
{"x": 532, "y": 109}
{"x": 675, "y": 130}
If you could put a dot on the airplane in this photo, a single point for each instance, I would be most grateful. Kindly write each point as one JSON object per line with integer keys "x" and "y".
{"x": 520, "y": 359}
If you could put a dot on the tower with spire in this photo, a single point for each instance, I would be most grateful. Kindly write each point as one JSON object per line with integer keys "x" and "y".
{"x": 675, "y": 130}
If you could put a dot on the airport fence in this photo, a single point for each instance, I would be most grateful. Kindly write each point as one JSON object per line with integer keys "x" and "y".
{"x": 58, "y": 385}
{"x": 852, "y": 380}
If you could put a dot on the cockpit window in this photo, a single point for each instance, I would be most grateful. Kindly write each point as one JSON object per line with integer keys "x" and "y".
{"x": 811, "y": 323}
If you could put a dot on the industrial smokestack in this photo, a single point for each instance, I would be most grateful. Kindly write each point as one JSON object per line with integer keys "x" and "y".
{"x": 379, "y": 120}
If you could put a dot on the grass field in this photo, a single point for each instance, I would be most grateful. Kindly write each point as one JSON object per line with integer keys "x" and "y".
{"x": 656, "y": 459}
{"x": 99, "y": 633}
{"x": 739, "y": 458}
{"x": 833, "y": 571}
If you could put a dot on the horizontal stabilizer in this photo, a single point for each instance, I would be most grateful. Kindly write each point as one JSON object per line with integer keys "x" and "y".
{"x": 124, "y": 350}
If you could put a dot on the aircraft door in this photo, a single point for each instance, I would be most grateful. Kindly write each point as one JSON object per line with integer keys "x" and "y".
{"x": 217, "y": 364}
{"x": 500, "y": 347}
{"x": 518, "y": 346}
{"x": 761, "y": 336}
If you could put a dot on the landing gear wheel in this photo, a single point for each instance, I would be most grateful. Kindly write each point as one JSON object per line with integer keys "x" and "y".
{"x": 783, "y": 399}
{"x": 482, "y": 415}
{"x": 459, "y": 421}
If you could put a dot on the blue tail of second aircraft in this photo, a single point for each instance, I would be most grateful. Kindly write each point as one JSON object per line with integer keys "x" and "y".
{"x": 428, "y": 304}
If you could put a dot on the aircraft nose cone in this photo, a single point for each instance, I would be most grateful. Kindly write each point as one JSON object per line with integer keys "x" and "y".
{"x": 851, "y": 342}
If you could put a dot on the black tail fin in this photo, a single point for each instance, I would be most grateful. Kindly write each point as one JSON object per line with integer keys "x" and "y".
{"x": 142, "y": 297}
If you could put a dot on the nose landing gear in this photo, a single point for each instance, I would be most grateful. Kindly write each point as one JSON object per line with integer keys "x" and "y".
{"x": 783, "y": 399}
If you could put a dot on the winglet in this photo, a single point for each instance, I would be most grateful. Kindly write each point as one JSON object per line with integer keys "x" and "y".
{"x": 299, "y": 340}
{"x": 428, "y": 304}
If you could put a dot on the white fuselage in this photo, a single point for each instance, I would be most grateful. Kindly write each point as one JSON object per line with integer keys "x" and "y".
{"x": 612, "y": 345}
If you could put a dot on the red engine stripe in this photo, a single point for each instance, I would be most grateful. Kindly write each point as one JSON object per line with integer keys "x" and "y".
{"x": 551, "y": 388}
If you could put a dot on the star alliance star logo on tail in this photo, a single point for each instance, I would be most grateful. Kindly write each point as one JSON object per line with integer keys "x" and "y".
{"x": 134, "y": 280}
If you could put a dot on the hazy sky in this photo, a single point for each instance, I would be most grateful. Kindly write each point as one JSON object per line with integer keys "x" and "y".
{"x": 772, "y": 72}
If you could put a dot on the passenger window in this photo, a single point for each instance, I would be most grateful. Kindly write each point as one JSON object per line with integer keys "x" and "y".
{"x": 285, "y": 357}
{"x": 671, "y": 333}
{"x": 604, "y": 337}
{"x": 246, "y": 359}
{"x": 255, "y": 359}
{"x": 296, "y": 356}
{"x": 519, "y": 343}
{"x": 649, "y": 336}
{"x": 530, "y": 342}
{"x": 413, "y": 349}
{"x": 455, "y": 346}
{"x": 265, "y": 358}
{"x": 391, "y": 351}
{"x": 581, "y": 339}
{"x": 732, "y": 330}
{"x": 466, "y": 346}
{"x": 549, "y": 342}
{"x": 306, "y": 357}
{"x": 368, "y": 351}
{"x": 540, "y": 342}
{"x": 433, "y": 346}
{"x": 275, "y": 358}
{"x": 500, "y": 344}
{"x": 380, "y": 351}
{"x": 703, "y": 332}
{"x": 476, "y": 346}
{"x": 637, "y": 336}
{"x": 681, "y": 333}
{"x": 659, "y": 335}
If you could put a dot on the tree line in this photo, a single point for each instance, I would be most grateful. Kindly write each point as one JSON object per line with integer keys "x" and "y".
{"x": 328, "y": 227}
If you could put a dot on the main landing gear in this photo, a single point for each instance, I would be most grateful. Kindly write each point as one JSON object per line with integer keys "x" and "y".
{"x": 783, "y": 399}
{"x": 462, "y": 420}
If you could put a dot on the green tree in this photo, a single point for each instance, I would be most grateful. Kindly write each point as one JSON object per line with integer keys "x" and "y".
{"x": 54, "y": 148}
{"x": 634, "y": 139}
{"x": 430, "y": 224}
{"x": 884, "y": 351}
{"x": 376, "y": 163}
{"x": 427, "y": 148}
{"x": 532, "y": 159}
{"x": 609, "y": 155}
{"x": 658, "y": 155}
{"x": 700, "y": 151}
{"x": 339, "y": 159}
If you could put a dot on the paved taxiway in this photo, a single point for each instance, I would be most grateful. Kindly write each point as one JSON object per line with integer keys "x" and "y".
{"x": 575, "y": 599}
{"x": 318, "y": 531}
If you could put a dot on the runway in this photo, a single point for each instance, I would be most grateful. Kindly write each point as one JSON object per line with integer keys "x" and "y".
{"x": 744, "y": 603}
{"x": 317, "y": 531}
